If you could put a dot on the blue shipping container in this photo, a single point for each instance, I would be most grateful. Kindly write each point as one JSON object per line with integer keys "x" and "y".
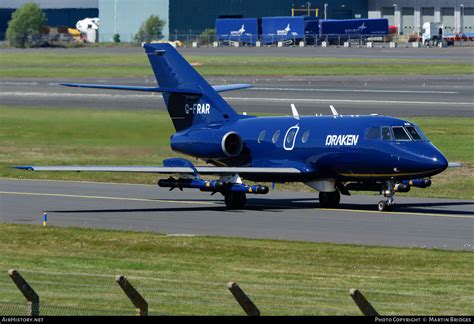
{"x": 355, "y": 27}
{"x": 289, "y": 30}
{"x": 243, "y": 30}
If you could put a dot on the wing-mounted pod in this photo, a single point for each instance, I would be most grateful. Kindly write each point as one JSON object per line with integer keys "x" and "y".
{"x": 208, "y": 143}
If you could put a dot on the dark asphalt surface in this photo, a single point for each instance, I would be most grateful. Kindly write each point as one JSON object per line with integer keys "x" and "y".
{"x": 417, "y": 222}
{"x": 458, "y": 54}
{"x": 394, "y": 96}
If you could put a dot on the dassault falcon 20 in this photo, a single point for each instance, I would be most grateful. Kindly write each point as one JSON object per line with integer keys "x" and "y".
{"x": 333, "y": 154}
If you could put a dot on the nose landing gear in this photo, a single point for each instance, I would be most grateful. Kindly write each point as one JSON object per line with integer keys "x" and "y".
{"x": 388, "y": 192}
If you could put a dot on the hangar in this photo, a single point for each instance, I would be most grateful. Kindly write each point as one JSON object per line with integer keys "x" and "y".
{"x": 409, "y": 16}
{"x": 192, "y": 17}
{"x": 58, "y": 13}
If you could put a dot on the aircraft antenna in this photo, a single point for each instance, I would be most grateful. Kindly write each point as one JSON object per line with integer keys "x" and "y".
{"x": 295, "y": 112}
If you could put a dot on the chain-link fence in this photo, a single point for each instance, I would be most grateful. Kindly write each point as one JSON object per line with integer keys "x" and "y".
{"x": 265, "y": 40}
{"x": 17, "y": 309}
{"x": 312, "y": 40}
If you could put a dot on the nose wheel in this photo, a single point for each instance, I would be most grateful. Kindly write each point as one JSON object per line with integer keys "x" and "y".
{"x": 389, "y": 192}
{"x": 386, "y": 205}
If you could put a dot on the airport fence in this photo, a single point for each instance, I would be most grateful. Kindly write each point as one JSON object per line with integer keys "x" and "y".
{"x": 118, "y": 305}
{"x": 308, "y": 40}
{"x": 100, "y": 294}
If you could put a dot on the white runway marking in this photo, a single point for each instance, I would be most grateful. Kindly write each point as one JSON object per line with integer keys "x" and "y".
{"x": 106, "y": 198}
{"x": 354, "y": 90}
{"x": 395, "y": 102}
{"x": 309, "y": 100}
{"x": 214, "y": 203}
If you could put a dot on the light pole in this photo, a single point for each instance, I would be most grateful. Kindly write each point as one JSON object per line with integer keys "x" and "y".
{"x": 115, "y": 17}
{"x": 461, "y": 27}
{"x": 395, "y": 18}
{"x": 325, "y": 11}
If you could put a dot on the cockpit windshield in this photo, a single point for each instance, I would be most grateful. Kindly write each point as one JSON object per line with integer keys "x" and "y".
{"x": 397, "y": 133}
{"x": 386, "y": 135}
{"x": 413, "y": 133}
{"x": 400, "y": 134}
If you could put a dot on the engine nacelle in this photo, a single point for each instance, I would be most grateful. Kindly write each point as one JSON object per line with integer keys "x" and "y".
{"x": 208, "y": 143}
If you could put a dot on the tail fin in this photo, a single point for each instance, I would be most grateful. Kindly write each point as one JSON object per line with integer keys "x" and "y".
{"x": 202, "y": 105}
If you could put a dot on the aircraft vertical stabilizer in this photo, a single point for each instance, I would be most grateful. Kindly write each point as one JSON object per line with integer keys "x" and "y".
{"x": 173, "y": 71}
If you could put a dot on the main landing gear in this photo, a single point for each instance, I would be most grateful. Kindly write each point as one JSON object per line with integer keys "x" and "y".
{"x": 329, "y": 199}
{"x": 235, "y": 200}
{"x": 388, "y": 192}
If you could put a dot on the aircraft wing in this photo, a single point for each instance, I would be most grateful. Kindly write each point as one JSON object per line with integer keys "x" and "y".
{"x": 165, "y": 169}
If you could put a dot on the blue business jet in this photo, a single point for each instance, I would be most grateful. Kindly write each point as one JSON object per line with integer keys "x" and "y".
{"x": 333, "y": 154}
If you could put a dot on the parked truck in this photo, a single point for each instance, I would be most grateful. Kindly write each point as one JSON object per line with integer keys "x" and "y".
{"x": 433, "y": 35}
{"x": 335, "y": 31}
{"x": 290, "y": 30}
{"x": 242, "y": 30}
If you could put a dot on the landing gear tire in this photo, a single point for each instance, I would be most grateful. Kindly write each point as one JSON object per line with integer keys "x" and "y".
{"x": 329, "y": 199}
{"x": 235, "y": 200}
{"x": 385, "y": 206}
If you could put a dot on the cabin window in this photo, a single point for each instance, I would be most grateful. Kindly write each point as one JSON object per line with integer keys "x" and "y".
{"x": 400, "y": 134}
{"x": 386, "y": 135}
{"x": 291, "y": 136}
{"x": 305, "y": 137}
{"x": 373, "y": 133}
{"x": 261, "y": 137}
{"x": 413, "y": 133}
{"x": 275, "y": 137}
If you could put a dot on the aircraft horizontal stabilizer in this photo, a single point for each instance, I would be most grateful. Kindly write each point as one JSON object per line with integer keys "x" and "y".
{"x": 132, "y": 88}
{"x": 218, "y": 88}
{"x": 230, "y": 87}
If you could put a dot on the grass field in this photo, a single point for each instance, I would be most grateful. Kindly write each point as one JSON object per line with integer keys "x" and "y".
{"x": 46, "y": 136}
{"x": 37, "y": 64}
{"x": 73, "y": 270}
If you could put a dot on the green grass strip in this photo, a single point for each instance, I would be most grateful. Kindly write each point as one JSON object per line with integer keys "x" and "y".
{"x": 73, "y": 270}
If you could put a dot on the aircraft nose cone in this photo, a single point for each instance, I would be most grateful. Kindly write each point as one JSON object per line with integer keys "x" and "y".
{"x": 440, "y": 162}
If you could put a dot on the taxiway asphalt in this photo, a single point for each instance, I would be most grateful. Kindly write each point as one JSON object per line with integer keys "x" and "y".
{"x": 417, "y": 222}
{"x": 401, "y": 96}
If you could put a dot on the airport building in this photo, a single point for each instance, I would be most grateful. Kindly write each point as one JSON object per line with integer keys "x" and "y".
{"x": 409, "y": 16}
{"x": 192, "y": 17}
{"x": 185, "y": 17}
{"x": 58, "y": 13}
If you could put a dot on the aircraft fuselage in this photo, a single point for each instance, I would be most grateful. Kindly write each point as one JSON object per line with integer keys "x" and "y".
{"x": 345, "y": 148}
